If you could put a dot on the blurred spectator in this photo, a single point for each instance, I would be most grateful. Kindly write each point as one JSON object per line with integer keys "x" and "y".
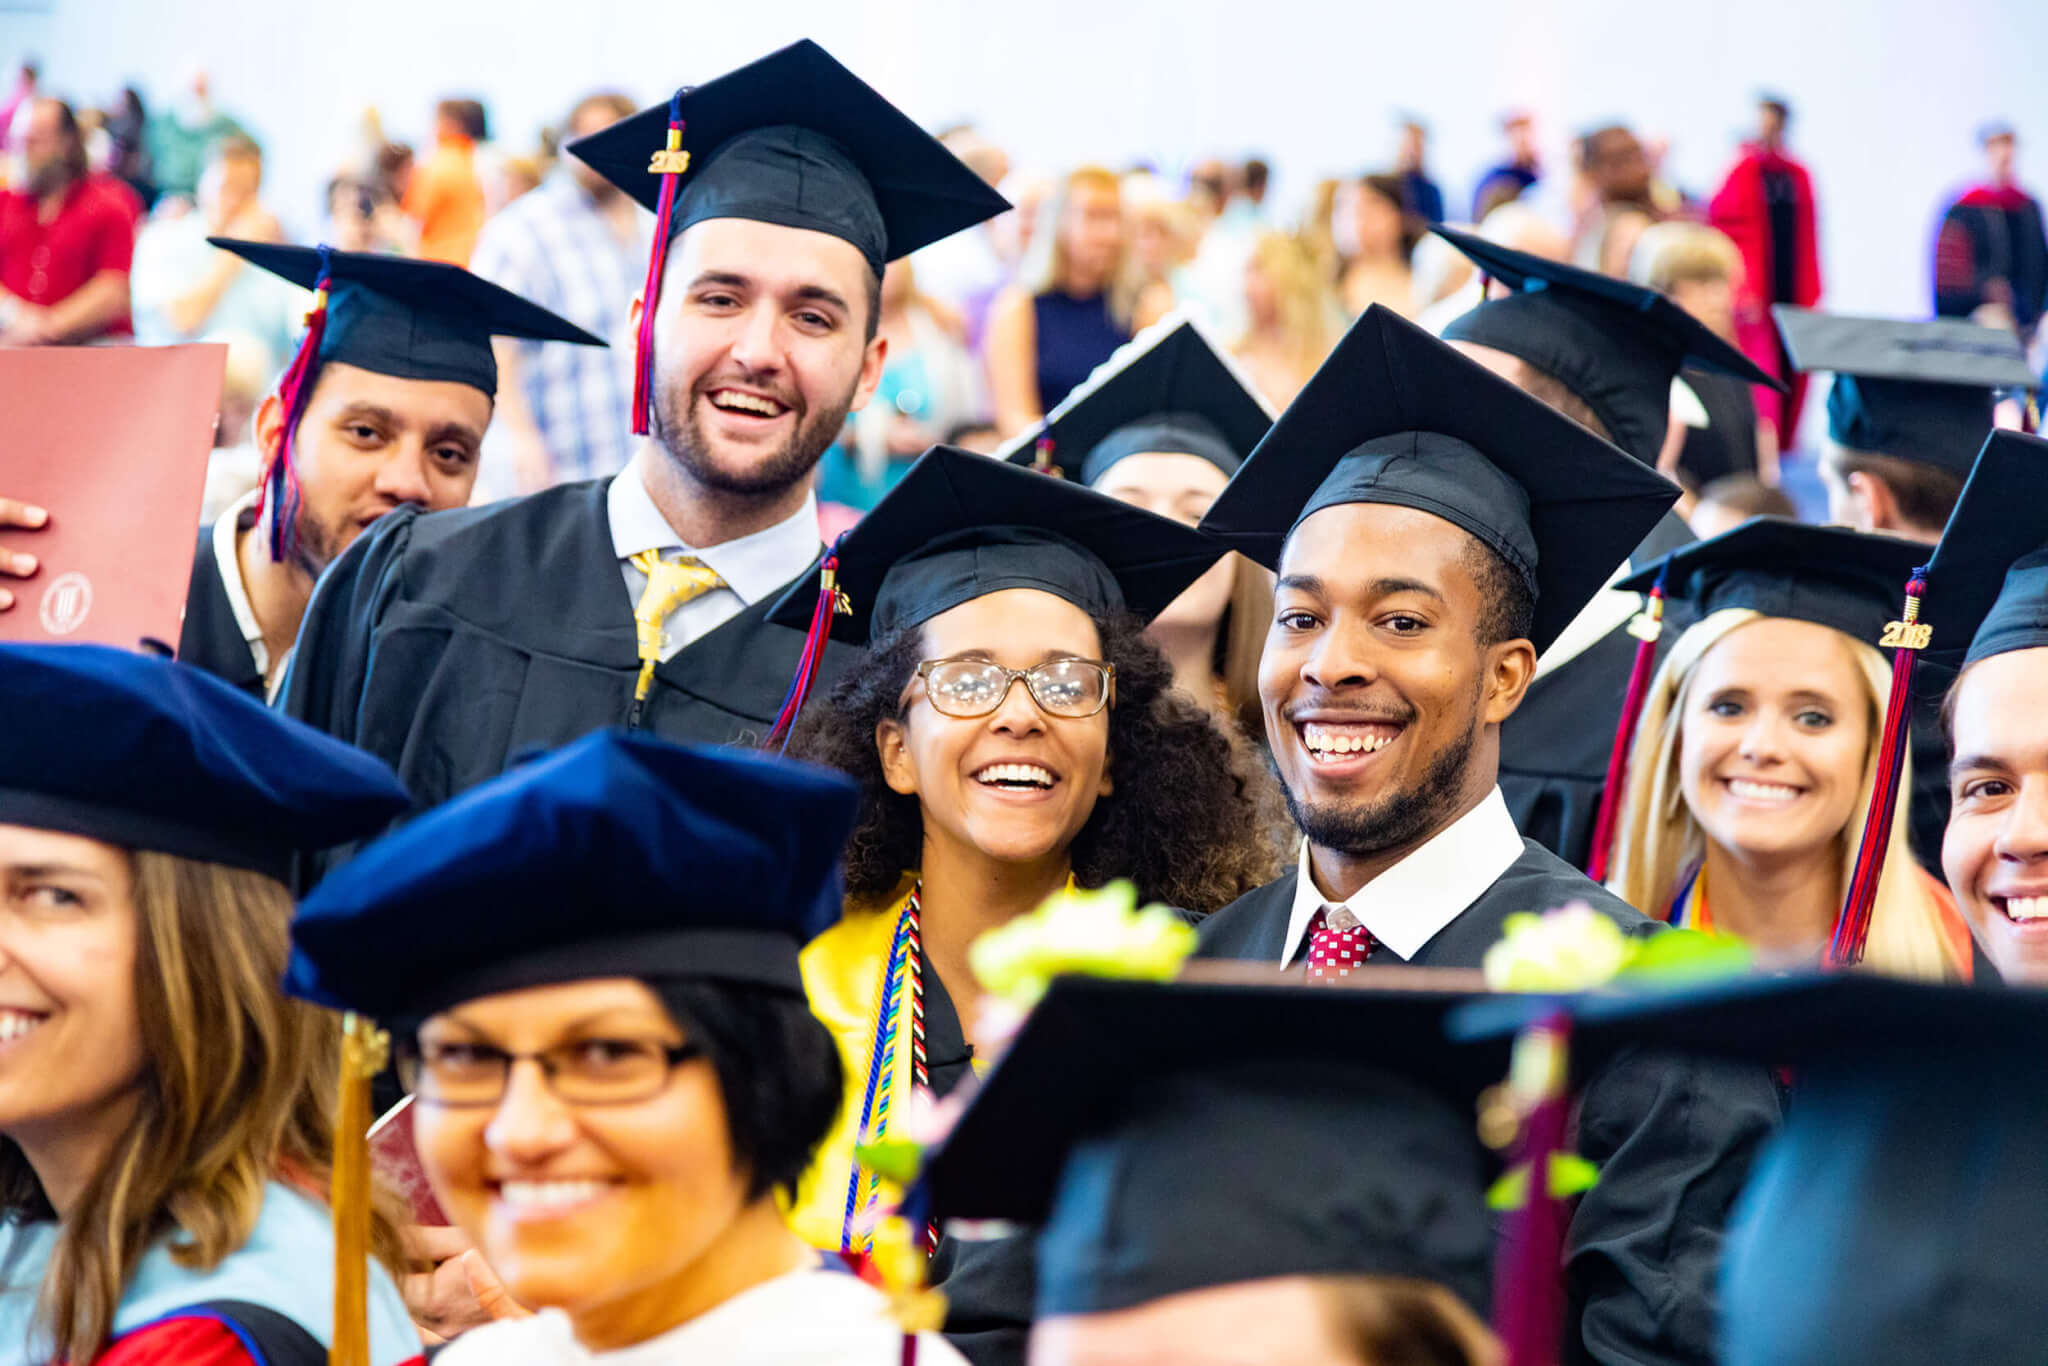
{"x": 67, "y": 239}
{"x": 179, "y": 137}
{"x": 1319, "y": 228}
{"x": 1067, "y": 312}
{"x": 128, "y": 158}
{"x": 1766, "y": 207}
{"x": 1714, "y": 427}
{"x": 1515, "y": 224}
{"x": 445, "y": 195}
{"x": 1991, "y": 259}
{"x": 1383, "y": 236}
{"x": 391, "y": 168}
{"x": 1733, "y": 499}
{"x": 1162, "y": 241}
{"x": 968, "y": 269}
{"x": 1421, "y": 194}
{"x": 1619, "y": 181}
{"x": 975, "y": 435}
{"x": 18, "y": 99}
{"x": 1513, "y": 177}
{"x": 1208, "y": 190}
{"x": 929, "y": 386}
{"x": 1212, "y": 287}
{"x": 363, "y": 215}
{"x": 578, "y": 246}
{"x": 185, "y": 290}
{"x": 236, "y": 462}
{"x": 1293, "y": 318}
{"x": 517, "y": 176}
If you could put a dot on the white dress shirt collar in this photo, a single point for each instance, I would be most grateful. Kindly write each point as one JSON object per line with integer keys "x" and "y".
{"x": 227, "y": 561}
{"x": 1407, "y": 905}
{"x": 752, "y": 566}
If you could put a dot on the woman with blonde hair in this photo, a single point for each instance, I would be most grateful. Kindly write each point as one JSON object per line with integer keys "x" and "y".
{"x": 1293, "y": 319}
{"x": 1757, "y": 749}
{"x": 1073, "y": 303}
{"x": 166, "y": 1114}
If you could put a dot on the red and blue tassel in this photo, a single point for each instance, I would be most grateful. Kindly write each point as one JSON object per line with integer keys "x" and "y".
{"x": 669, "y": 163}
{"x": 1909, "y": 636}
{"x": 1646, "y": 628}
{"x": 277, "y": 489}
{"x": 831, "y": 602}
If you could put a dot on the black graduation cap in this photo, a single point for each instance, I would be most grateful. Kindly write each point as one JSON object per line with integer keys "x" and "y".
{"x": 1287, "y": 1143}
{"x": 1171, "y": 389}
{"x": 1615, "y": 345}
{"x": 796, "y": 139}
{"x": 408, "y": 318}
{"x": 617, "y": 856}
{"x": 147, "y": 753}
{"x": 1901, "y": 1215}
{"x": 1396, "y": 416}
{"x": 1919, "y": 391}
{"x": 1987, "y": 582}
{"x": 959, "y": 526}
{"x": 1832, "y": 576}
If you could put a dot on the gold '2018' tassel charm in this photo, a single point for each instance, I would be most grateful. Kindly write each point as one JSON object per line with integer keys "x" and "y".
{"x": 363, "y": 1050}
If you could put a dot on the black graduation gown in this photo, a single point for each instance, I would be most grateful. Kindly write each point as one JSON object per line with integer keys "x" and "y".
{"x": 450, "y": 644}
{"x": 211, "y": 638}
{"x": 1554, "y": 748}
{"x": 1674, "y": 1137}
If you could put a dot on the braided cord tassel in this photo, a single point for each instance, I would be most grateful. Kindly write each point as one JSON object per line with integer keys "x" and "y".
{"x": 874, "y": 1106}
{"x": 669, "y": 163}
{"x": 277, "y": 489}
{"x": 1908, "y": 636}
{"x": 831, "y": 602}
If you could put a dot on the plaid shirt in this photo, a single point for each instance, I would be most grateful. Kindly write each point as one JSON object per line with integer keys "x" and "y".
{"x": 558, "y": 249}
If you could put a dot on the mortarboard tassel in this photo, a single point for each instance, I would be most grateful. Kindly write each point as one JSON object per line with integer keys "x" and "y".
{"x": 1646, "y": 627}
{"x": 669, "y": 162}
{"x": 831, "y": 602}
{"x": 1041, "y": 458}
{"x": 1528, "y": 1290}
{"x": 1906, "y": 637}
{"x": 363, "y": 1049}
{"x": 277, "y": 490}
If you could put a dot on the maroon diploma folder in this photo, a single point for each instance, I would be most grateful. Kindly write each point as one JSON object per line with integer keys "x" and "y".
{"x": 113, "y": 442}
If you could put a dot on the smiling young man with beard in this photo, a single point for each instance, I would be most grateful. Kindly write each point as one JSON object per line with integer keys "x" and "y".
{"x": 1433, "y": 528}
{"x": 450, "y": 644}
{"x": 387, "y": 410}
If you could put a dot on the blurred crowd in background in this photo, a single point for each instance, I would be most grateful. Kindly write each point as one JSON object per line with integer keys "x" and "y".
{"x": 105, "y": 211}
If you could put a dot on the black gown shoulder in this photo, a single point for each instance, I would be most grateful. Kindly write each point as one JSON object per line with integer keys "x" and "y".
{"x": 450, "y": 644}
{"x": 211, "y": 638}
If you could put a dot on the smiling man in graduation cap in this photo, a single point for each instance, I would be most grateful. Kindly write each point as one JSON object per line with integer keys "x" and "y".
{"x": 1604, "y": 353}
{"x": 384, "y": 407}
{"x": 1434, "y": 528}
{"x": 449, "y": 644}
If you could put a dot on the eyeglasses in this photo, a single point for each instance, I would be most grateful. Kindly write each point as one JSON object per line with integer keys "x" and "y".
{"x": 462, "y": 1073}
{"x": 1061, "y": 687}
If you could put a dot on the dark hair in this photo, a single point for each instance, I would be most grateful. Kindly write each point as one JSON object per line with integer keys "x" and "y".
{"x": 1777, "y": 106}
{"x": 1507, "y": 607}
{"x": 1187, "y": 822}
{"x": 616, "y": 103}
{"x": 1926, "y": 494}
{"x": 1394, "y": 190}
{"x": 778, "y": 1073}
{"x": 468, "y": 115}
{"x": 67, "y": 124}
{"x": 1255, "y": 174}
{"x": 1748, "y": 495}
{"x": 1401, "y": 1321}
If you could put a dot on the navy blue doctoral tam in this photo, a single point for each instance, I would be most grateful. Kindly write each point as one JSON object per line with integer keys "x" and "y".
{"x": 147, "y": 753}
{"x": 617, "y": 856}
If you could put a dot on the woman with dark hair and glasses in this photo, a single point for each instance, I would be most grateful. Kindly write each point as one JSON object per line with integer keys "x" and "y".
{"x": 589, "y": 970}
{"x": 1013, "y": 733}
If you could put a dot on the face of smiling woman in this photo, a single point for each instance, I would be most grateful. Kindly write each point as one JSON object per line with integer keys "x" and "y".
{"x": 1776, "y": 731}
{"x": 612, "y": 1211}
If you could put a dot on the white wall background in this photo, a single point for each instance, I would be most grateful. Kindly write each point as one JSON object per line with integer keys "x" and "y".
{"x": 1887, "y": 92}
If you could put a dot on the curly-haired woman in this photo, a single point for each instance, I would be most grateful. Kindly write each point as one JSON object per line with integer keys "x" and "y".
{"x": 981, "y": 797}
{"x": 166, "y": 1133}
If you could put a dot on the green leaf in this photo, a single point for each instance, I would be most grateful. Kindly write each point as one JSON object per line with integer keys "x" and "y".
{"x": 1511, "y": 1190}
{"x": 1570, "y": 1175}
{"x": 1678, "y": 956}
{"x": 895, "y": 1159}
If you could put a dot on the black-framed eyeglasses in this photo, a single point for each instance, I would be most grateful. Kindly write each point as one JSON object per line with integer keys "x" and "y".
{"x": 462, "y": 1073}
{"x": 1071, "y": 688}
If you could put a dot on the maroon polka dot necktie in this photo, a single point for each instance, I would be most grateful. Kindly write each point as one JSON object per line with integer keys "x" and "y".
{"x": 1334, "y": 951}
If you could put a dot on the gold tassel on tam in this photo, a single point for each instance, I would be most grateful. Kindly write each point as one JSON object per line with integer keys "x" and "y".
{"x": 363, "y": 1050}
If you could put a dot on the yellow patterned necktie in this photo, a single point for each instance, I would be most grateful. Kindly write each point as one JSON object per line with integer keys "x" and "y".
{"x": 670, "y": 584}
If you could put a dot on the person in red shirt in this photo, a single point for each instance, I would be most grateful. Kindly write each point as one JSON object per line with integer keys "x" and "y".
{"x": 67, "y": 236}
